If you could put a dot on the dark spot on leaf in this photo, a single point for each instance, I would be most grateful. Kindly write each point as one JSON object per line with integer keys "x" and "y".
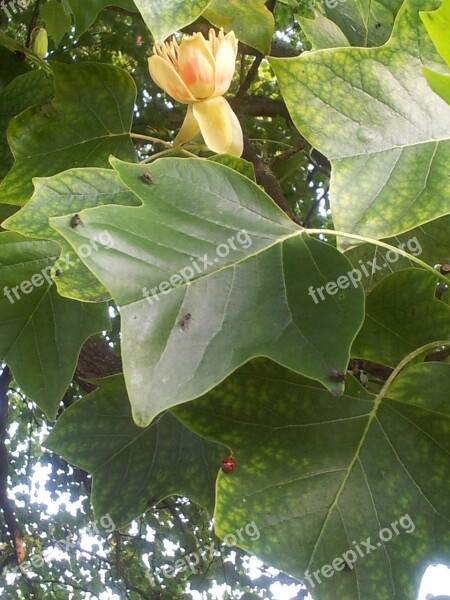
{"x": 336, "y": 375}
{"x": 75, "y": 220}
{"x": 185, "y": 320}
{"x": 146, "y": 176}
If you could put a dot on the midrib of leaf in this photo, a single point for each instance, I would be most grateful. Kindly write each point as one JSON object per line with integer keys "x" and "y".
{"x": 232, "y": 266}
{"x": 300, "y": 232}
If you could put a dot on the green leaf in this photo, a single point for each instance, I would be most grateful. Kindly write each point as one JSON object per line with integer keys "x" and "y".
{"x": 164, "y": 17}
{"x": 251, "y": 21}
{"x": 11, "y": 65}
{"x": 74, "y": 130}
{"x": 56, "y": 20}
{"x": 414, "y": 318}
{"x": 438, "y": 26}
{"x": 98, "y": 434}
{"x": 85, "y": 13}
{"x": 346, "y": 469}
{"x": 387, "y": 134}
{"x": 209, "y": 243}
{"x": 237, "y": 164}
{"x": 56, "y": 196}
{"x": 439, "y": 83}
{"x": 23, "y": 91}
{"x": 41, "y": 334}
{"x": 437, "y": 23}
{"x": 322, "y": 33}
{"x": 364, "y": 22}
{"x": 430, "y": 243}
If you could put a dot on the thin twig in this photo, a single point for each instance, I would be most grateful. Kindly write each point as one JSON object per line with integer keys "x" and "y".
{"x": 318, "y": 166}
{"x": 314, "y": 206}
{"x": 169, "y": 151}
{"x": 149, "y": 138}
{"x": 33, "y": 21}
{"x": 171, "y": 508}
{"x": 251, "y": 74}
{"x": 297, "y": 147}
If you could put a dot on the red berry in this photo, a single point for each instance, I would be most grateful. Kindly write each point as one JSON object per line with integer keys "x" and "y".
{"x": 228, "y": 464}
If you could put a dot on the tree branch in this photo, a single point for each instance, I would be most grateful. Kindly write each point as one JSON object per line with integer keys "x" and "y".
{"x": 8, "y": 513}
{"x": 251, "y": 74}
{"x": 297, "y": 147}
{"x": 267, "y": 179}
{"x": 260, "y": 106}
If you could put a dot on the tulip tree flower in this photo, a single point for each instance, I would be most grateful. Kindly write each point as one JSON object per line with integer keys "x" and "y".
{"x": 197, "y": 73}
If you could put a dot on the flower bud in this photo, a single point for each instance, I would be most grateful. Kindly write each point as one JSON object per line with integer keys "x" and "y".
{"x": 39, "y": 41}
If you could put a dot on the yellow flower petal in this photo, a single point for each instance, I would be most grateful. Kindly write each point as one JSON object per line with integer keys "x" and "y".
{"x": 219, "y": 126}
{"x": 225, "y": 63}
{"x": 166, "y": 77}
{"x": 197, "y": 66}
{"x": 188, "y": 130}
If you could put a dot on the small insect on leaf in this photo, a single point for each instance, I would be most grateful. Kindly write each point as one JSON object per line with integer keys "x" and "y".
{"x": 75, "y": 221}
{"x": 336, "y": 375}
{"x": 228, "y": 464}
{"x": 184, "y": 320}
{"x": 146, "y": 176}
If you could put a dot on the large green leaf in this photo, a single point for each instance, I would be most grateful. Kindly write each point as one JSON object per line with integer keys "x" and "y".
{"x": 40, "y": 333}
{"x": 68, "y": 193}
{"x": 164, "y": 17}
{"x": 224, "y": 254}
{"x": 251, "y": 21}
{"x": 89, "y": 119}
{"x": 438, "y": 26}
{"x": 401, "y": 315}
{"x": 319, "y": 476}
{"x": 98, "y": 434}
{"x": 23, "y": 91}
{"x": 85, "y": 13}
{"x": 371, "y": 111}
